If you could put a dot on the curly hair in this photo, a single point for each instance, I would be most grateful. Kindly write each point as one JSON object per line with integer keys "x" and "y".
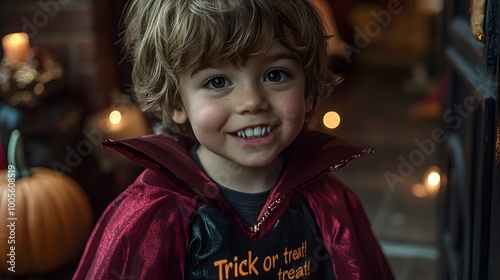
{"x": 165, "y": 37}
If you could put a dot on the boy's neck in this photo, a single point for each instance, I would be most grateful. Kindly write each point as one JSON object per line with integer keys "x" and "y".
{"x": 240, "y": 178}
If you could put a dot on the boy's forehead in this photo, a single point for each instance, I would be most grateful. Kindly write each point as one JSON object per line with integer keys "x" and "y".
{"x": 268, "y": 48}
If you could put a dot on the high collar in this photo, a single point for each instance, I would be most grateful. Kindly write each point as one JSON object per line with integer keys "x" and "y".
{"x": 311, "y": 155}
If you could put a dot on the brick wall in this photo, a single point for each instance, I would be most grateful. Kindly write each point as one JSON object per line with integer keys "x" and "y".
{"x": 76, "y": 32}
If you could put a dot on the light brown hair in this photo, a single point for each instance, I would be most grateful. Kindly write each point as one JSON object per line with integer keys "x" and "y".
{"x": 166, "y": 37}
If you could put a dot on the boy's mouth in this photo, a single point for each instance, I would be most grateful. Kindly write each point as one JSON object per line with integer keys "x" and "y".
{"x": 254, "y": 132}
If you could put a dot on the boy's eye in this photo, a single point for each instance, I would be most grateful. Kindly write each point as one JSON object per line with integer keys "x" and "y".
{"x": 276, "y": 76}
{"x": 217, "y": 83}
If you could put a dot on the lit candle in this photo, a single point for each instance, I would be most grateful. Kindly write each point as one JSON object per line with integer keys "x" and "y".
{"x": 15, "y": 47}
{"x": 122, "y": 123}
{"x": 117, "y": 123}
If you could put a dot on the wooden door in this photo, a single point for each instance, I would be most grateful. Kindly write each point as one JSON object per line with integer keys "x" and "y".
{"x": 470, "y": 195}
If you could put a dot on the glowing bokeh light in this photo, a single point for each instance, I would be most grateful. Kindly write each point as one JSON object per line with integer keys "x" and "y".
{"x": 115, "y": 117}
{"x": 331, "y": 120}
{"x": 419, "y": 190}
{"x": 432, "y": 179}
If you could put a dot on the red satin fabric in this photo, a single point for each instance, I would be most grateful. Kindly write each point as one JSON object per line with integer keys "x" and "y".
{"x": 143, "y": 234}
{"x": 346, "y": 232}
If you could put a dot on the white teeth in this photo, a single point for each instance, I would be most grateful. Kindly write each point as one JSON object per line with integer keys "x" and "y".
{"x": 254, "y": 132}
{"x": 249, "y": 132}
{"x": 257, "y": 131}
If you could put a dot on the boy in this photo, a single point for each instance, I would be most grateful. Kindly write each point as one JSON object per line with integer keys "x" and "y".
{"x": 236, "y": 187}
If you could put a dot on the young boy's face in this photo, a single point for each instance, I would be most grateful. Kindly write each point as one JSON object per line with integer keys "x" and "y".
{"x": 245, "y": 113}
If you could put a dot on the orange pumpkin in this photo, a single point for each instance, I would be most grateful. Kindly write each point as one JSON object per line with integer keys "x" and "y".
{"x": 45, "y": 216}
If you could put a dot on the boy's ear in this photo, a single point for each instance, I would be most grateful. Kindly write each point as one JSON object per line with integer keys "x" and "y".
{"x": 179, "y": 115}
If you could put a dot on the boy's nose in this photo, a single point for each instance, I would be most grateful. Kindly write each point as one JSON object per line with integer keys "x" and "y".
{"x": 252, "y": 99}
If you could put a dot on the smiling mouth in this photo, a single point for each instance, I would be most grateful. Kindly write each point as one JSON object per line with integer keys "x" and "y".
{"x": 254, "y": 132}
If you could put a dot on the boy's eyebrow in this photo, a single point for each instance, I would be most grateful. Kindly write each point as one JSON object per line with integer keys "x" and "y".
{"x": 282, "y": 55}
{"x": 200, "y": 68}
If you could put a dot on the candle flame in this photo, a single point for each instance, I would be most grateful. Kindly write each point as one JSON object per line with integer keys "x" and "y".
{"x": 18, "y": 37}
{"x": 115, "y": 117}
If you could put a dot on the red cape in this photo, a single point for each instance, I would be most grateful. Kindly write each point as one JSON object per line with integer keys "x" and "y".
{"x": 144, "y": 232}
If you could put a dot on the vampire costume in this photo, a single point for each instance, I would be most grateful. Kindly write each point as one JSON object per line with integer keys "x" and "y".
{"x": 174, "y": 222}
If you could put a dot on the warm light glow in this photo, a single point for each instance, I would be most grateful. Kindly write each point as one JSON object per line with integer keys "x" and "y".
{"x": 115, "y": 117}
{"x": 15, "y": 47}
{"x": 431, "y": 7}
{"x": 39, "y": 88}
{"x": 331, "y": 120}
{"x": 17, "y": 38}
{"x": 432, "y": 179}
{"x": 419, "y": 190}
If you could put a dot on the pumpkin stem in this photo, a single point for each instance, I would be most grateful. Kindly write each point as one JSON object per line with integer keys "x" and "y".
{"x": 15, "y": 155}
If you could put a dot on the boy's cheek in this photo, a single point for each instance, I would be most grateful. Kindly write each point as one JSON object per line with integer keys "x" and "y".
{"x": 207, "y": 118}
{"x": 294, "y": 111}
